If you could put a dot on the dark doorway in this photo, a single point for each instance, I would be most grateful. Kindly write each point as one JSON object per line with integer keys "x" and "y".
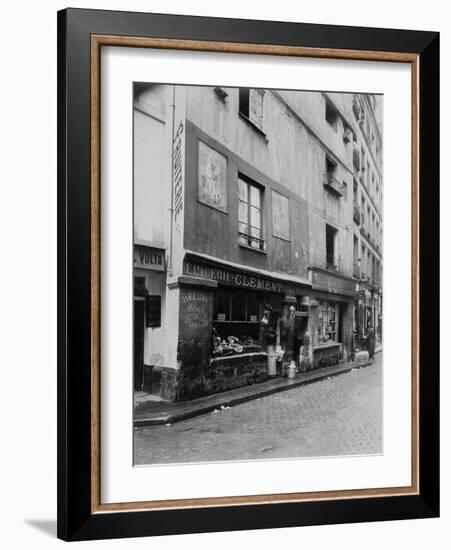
{"x": 300, "y": 328}
{"x": 341, "y": 311}
{"x": 138, "y": 343}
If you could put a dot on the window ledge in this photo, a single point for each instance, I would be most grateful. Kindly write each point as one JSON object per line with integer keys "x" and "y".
{"x": 285, "y": 239}
{"x": 247, "y": 247}
{"x": 254, "y": 126}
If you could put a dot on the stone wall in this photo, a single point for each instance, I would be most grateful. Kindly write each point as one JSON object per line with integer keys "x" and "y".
{"x": 326, "y": 356}
{"x": 221, "y": 375}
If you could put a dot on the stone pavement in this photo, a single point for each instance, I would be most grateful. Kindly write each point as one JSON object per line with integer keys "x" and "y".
{"x": 339, "y": 415}
{"x": 153, "y": 412}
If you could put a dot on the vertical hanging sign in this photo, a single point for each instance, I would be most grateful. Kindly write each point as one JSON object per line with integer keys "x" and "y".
{"x": 178, "y": 177}
{"x": 177, "y": 169}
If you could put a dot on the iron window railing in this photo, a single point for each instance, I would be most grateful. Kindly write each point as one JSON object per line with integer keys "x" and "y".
{"x": 252, "y": 242}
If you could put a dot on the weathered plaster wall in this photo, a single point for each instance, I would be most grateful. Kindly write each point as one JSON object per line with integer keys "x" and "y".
{"x": 290, "y": 158}
{"x": 214, "y": 232}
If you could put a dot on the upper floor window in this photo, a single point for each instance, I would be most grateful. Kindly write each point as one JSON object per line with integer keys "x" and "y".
{"x": 251, "y": 105}
{"x": 363, "y": 260}
{"x": 250, "y": 217}
{"x": 331, "y": 115}
{"x": 331, "y": 235}
{"x": 331, "y": 182}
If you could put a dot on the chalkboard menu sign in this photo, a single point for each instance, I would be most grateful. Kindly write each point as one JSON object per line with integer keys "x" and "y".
{"x": 153, "y": 311}
{"x": 196, "y": 325}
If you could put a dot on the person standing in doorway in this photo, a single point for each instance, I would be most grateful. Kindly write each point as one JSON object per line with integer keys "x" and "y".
{"x": 371, "y": 342}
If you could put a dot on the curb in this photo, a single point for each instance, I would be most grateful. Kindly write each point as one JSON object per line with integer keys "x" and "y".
{"x": 231, "y": 401}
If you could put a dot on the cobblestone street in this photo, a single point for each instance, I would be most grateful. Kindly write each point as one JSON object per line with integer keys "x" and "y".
{"x": 336, "y": 416}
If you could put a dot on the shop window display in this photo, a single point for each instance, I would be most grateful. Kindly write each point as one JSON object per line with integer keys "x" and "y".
{"x": 237, "y": 321}
{"x": 327, "y": 322}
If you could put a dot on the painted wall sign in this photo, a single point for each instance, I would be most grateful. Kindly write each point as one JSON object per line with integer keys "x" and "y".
{"x": 332, "y": 283}
{"x": 177, "y": 169}
{"x": 146, "y": 257}
{"x": 231, "y": 278}
{"x": 212, "y": 185}
{"x": 280, "y": 216}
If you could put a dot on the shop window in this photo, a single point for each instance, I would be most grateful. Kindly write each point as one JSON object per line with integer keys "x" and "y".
{"x": 250, "y": 219}
{"x": 250, "y": 105}
{"x": 327, "y": 322}
{"x": 253, "y": 308}
{"x": 331, "y": 115}
{"x": 237, "y": 306}
{"x": 222, "y": 306}
{"x": 331, "y": 235}
{"x": 236, "y": 321}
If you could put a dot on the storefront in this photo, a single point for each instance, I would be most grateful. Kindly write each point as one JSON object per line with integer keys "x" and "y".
{"x": 368, "y": 315}
{"x": 331, "y": 317}
{"x": 223, "y": 343}
{"x": 149, "y": 278}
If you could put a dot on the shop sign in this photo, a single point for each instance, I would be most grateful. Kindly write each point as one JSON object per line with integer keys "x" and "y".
{"x": 231, "y": 278}
{"x": 177, "y": 172}
{"x": 146, "y": 257}
{"x": 333, "y": 284}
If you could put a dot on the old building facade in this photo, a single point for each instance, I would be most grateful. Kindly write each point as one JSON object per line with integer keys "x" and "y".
{"x": 368, "y": 226}
{"x": 247, "y": 242}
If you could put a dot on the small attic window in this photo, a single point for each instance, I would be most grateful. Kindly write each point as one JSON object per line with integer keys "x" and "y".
{"x": 331, "y": 115}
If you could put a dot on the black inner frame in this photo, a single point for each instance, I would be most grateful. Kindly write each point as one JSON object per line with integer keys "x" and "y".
{"x": 75, "y": 520}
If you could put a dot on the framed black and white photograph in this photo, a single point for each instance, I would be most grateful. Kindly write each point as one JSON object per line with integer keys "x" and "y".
{"x": 247, "y": 270}
{"x": 265, "y": 207}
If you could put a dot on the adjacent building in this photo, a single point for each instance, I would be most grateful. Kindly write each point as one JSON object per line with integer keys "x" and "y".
{"x": 368, "y": 226}
{"x": 257, "y": 230}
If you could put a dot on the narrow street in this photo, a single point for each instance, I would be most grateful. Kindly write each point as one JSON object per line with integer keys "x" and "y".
{"x": 336, "y": 416}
